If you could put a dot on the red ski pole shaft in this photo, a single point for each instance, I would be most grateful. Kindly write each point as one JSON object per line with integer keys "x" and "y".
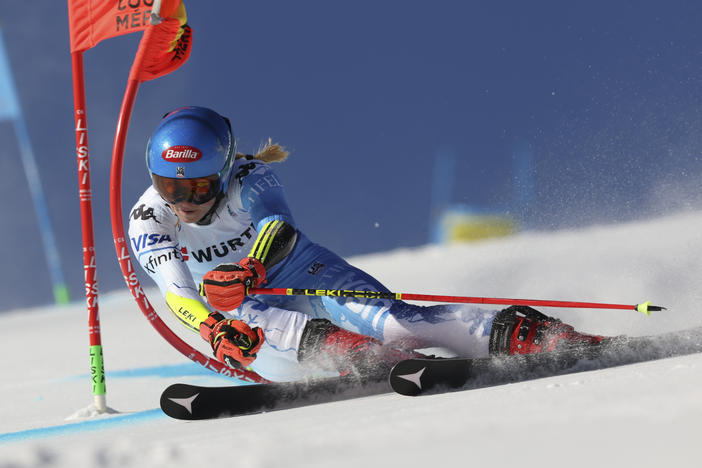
{"x": 644, "y": 307}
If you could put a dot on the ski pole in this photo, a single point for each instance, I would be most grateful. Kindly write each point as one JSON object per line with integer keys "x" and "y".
{"x": 644, "y": 308}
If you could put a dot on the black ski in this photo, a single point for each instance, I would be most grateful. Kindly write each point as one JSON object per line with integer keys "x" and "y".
{"x": 421, "y": 376}
{"x": 184, "y": 401}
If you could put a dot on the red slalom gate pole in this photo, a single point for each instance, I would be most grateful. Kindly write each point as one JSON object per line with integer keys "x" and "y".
{"x": 85, "y": 195}
{"x": 121, "y": 243}
{"x": 644, "y": 308}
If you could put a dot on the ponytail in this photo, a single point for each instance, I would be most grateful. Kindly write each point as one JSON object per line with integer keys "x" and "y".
{"x": 269, "y": 152}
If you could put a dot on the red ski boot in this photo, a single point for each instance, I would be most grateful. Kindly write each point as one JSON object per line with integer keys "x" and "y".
{"x": 330, "y": 347}
{"x": 523, "y": 330}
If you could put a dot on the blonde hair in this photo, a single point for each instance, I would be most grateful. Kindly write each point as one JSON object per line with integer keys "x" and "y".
{"x": 269, "y": 152}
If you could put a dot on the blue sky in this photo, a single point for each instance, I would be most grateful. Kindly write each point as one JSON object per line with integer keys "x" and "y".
{"x": 365, "y": 94}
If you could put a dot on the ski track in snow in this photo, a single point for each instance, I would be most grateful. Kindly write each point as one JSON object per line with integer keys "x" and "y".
{"x": 640, "y": 415}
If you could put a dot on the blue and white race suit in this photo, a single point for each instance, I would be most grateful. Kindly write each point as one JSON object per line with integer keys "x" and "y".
{"x": 176, "y": 256}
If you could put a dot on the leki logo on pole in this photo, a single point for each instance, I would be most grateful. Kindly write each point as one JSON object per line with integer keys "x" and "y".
{"x": 181, "y": 154}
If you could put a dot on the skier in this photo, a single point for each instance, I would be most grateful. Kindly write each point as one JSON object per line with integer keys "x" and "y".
{"x": 215, "y": 223}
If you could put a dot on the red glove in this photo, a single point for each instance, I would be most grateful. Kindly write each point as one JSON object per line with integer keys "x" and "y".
{"x": 227, "y": 285}
{"x": 233, "y": 341}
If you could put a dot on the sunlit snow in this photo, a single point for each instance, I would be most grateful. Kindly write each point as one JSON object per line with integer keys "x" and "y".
{"x": 640, "y": 415}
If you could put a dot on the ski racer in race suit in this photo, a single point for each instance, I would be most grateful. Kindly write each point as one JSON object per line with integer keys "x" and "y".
{"x": 215, "y": 222}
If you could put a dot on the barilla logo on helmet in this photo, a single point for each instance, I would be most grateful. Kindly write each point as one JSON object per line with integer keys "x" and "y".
{"x": 181, "y": 154}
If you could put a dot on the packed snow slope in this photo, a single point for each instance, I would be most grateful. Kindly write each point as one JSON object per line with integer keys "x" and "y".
{"x": 641, "y": 415}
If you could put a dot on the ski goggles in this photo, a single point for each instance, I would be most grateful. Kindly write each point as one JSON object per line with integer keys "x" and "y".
{"x": 196, "y": 191}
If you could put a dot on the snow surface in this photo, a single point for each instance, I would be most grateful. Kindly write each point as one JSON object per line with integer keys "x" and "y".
{"x": 640, "y": 415}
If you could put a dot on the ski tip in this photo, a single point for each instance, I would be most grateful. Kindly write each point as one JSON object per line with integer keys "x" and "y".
{"x": 646, "y": 308}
